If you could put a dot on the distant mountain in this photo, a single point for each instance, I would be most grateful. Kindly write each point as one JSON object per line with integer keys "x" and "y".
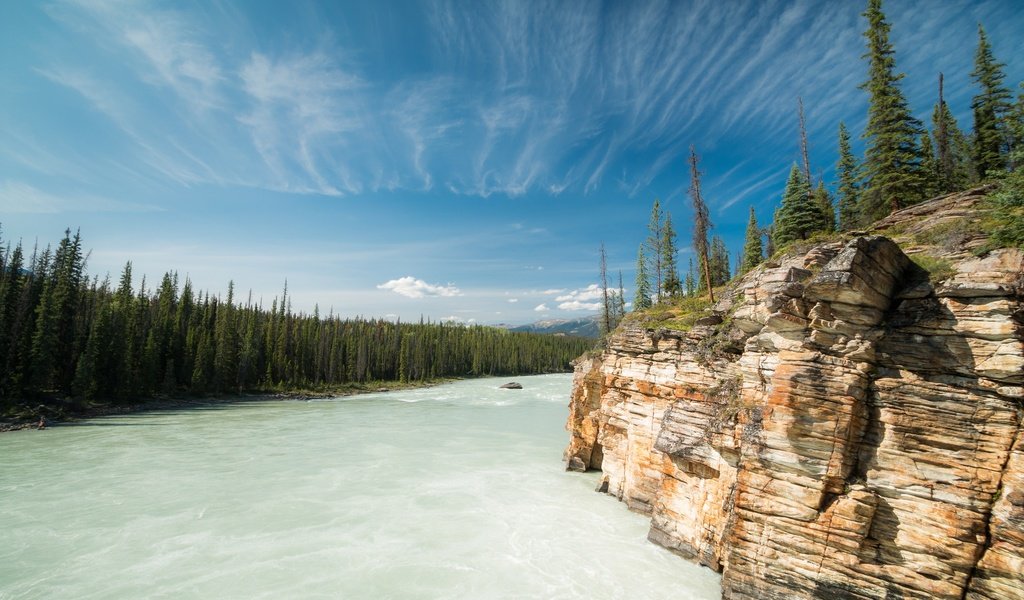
{"x": 582, "y": 327}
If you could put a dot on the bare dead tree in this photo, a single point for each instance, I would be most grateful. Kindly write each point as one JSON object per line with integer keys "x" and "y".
{"x": 701, "y": 223}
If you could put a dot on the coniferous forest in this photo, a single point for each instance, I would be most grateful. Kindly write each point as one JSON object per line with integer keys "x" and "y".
{"x": 65, "y": 336}
{"x": 903, "y": 164}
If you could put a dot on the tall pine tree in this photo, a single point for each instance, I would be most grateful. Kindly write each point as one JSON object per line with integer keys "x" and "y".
{"x": 642, "y": 297}
{"x": 752, "y": 249}
{"x": 952, "y": 165}
{"x": 670, "y": 279}
{"x": 654, "y": 251}
{"x": 990, "y": 106}
{"x": 892, "y": 160}
{"x": 799, "y": 216}
{"x": 720, "y": 272}
{"x": 930, "y": 180}
{"x": 849, "y": 183}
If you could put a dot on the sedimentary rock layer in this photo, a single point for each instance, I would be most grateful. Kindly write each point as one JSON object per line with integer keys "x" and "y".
{"x": 841, "y": 428}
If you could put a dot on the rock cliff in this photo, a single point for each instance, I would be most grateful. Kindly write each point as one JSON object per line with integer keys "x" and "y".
{"x": 842, "y": 424}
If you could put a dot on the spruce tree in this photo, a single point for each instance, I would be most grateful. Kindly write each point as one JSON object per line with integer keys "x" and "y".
{"x": 691, "y": 280}
{"x": 990, "y": 106}
{"x": 892, "y": 160}
{"x": 752, "y": 249}
{"x": 953, "y": 164}
{"x": 849, "y": 183}
{"x": 799, "y": 215}
{"x": 642, "y": 297}
{"x": 654, "y": 251}
{"x": 670, "y": 279}
{"x": 701, "y": 225}
{"x": 929, "y": 167}
{"x": 606, "y": 301}
{"x": 720, "y": 269}
{"x": 620, "y": 301}
{"x": 826, "y": 209}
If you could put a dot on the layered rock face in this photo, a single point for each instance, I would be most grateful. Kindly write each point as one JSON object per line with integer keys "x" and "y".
{"x": 839, "y": 427}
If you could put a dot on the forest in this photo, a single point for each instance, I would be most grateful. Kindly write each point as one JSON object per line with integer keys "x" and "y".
{"x": 904, "y": 163}
{"x": 66, "y": 338}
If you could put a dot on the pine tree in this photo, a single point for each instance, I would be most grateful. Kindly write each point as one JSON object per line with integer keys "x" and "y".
{"x": 799, "y": 216}
{"x": 620, "y": 302}
{"x": 826, "y": 210}
{"x": 654, "y": 250}
{"x": 701, "y": 225}
{"x": 849, "y": 186}
{"x": 670, "y": 279}
{"x": 990, "y": 106}
{"x": 752, "y": 250}
{"x": 642, "y": 297}
{"x": 952, "y": 158}
{"x": 1008, "y": 202}
{"x": 931, "y": 181}
{"x": 606, "y": 304}
{"x": 691, "y": 280}
{"x": 892, "y": 160}
{"x": 720, "y": 273}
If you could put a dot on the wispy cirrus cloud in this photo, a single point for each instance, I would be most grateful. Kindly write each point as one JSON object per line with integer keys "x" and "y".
{"x": 19, "y": 197}
{"x": 510, "y": 98}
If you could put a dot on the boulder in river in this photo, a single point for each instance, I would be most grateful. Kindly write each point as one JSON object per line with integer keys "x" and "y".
{"x": 512, "y": 386}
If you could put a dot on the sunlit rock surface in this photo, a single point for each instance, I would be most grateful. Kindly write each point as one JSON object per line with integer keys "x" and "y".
{"x": 845, "y": 428}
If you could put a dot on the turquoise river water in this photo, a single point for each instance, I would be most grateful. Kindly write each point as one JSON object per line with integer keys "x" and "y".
{"x": 456, "y": 491}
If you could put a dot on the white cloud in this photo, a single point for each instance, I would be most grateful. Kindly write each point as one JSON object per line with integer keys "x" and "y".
{"x": 541, "y": 308}
{"x": 453, "y": 319}
{"x": 591, "y": 292}
{"x": 411, "y": 287}
{"x": 552, "y": 292}
{"x": 513, "y": 300}
{"x": 577, "y": 305}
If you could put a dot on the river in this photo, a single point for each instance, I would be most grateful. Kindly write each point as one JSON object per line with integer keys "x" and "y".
{"x": 456, "y": 491}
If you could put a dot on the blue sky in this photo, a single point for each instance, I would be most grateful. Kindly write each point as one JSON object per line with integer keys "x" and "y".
{"x": 446, "y": 159}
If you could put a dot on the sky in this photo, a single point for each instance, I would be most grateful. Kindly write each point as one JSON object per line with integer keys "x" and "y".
{"x": 447, "y": 160}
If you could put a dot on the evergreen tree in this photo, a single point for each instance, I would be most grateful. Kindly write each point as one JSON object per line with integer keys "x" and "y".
{"x": 642, "y": 297}
{"x": 620, "y": 302}
{"x": 606, "y": 302}
{"x": 1008, "y": 202}
{"x": 799, "y": 216}
{"x": 720, "y": 273}
{"x": 990, "y": 106}
{"x": 953, "y": 164}
{"x": 752, "y": 250}
{"x": 930, "y": 180}
{"x": 655, "y": 237}
{"x": 691, "y": 281}
{"x": 892, "y": 160}
{"x": 826, "y": 209}
{"x": 701, "y": 225}
{"x": 670, "y": 279}
{"x": 849, "y": 186}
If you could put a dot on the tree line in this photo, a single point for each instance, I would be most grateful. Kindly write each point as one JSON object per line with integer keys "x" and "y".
{"x": 64, "y": 335}
{"x": 903, "y": 164}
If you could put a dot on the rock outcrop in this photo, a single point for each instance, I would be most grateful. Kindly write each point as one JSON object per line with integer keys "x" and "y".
{"x": 839, "y": 426}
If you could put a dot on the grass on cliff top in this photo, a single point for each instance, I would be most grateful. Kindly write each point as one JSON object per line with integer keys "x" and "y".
{"x": 938, "y": 268}
{"x": 804, "y": 246}
{"x": 677, "y": 313}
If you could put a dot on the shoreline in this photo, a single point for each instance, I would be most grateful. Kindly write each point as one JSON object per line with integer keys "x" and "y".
{"x": 73, "y": 415}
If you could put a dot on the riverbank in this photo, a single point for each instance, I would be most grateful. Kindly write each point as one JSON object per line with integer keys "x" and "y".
{"x": 26, "y": 417}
